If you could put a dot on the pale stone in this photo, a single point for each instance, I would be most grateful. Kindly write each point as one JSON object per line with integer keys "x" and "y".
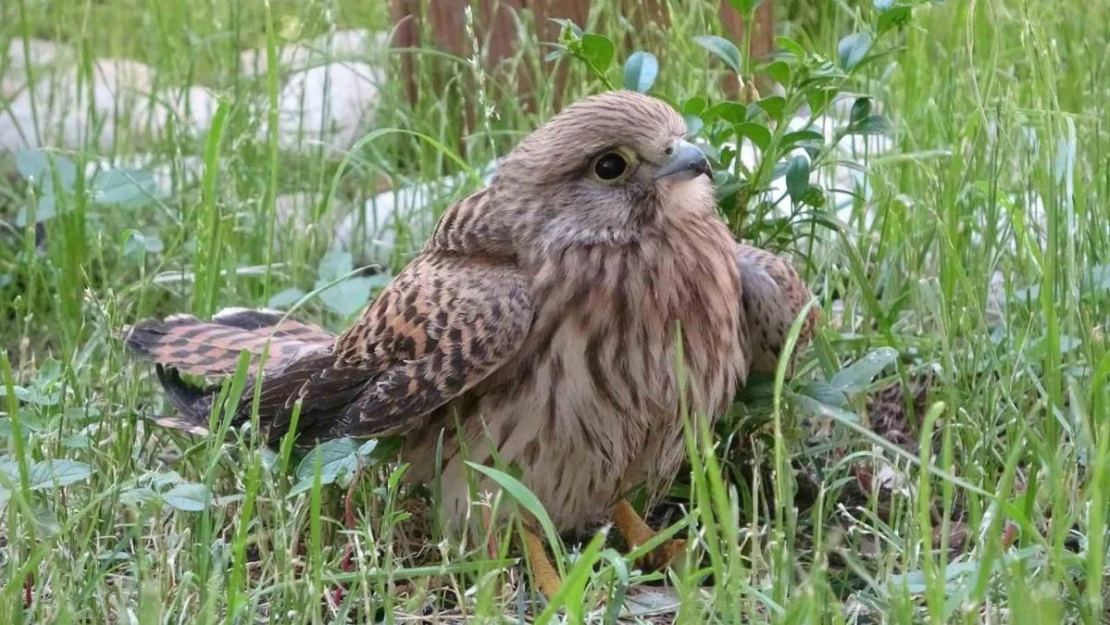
{"x": 328, "y": 105}
{"x": 343, "y": 45}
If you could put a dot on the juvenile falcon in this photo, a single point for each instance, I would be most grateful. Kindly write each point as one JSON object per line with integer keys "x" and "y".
{"x": 541, "y": 316}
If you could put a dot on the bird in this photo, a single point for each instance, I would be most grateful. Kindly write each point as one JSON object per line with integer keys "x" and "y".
{"x": 539, "y": 324}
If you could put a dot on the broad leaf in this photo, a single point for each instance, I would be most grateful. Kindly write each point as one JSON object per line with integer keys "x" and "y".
{"x": 124, "y": 187}
{"x": 861, "y": 108}
{"x": 286, "y": 298}
{"x": 694, "y": 106}
{"x": 640, "y": 71}
{"x": 797, "y": 178}
{"x": 188, "y": 497}
{"x": 759, "y": 134}
{"x": 893, "y": 18}
{"x": 35, "y": 166}
{"x": 871, "y": 125}
{"x": 802, "y": 138}
{"x": 721, "y": 48}
{"x": 598, "y": 50}
{"x": 779, "y": 71}
{"x": 348, "y": 296}
{"x": 339, "y": 460}
{"x": 745, "y": 7}
{"x": 731, "y": 112}
{"x": 46, "y": 207}
{"x": 694, "y": 124}
{"x": 858, "y": 376}
{"x": 774, "y": 105}
{"x": 852, "y": 49}
{"x": 52, "y": 473}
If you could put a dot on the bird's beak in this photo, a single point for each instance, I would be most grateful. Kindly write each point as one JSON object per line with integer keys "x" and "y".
{"x": 686, "y": 158}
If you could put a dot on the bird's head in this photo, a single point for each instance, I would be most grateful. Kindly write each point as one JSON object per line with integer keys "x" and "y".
{"x": 601, "y": 171}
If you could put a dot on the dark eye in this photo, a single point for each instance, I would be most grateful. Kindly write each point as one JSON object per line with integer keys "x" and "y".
{"x": 610, "y": 166}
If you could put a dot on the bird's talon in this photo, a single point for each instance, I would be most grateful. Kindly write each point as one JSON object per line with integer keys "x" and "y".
{"x": 663, "y": 555}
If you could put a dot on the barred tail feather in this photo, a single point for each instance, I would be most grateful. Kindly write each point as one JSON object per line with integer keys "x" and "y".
{"x": 212, "y": 348}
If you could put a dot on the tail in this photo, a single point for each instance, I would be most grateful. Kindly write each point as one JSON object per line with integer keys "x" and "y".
{"x": 211, "y": 349}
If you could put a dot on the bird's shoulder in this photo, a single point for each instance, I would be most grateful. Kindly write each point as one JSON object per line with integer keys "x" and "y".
{"x": 440, "y": 298}
{"x": 474, "y": 226}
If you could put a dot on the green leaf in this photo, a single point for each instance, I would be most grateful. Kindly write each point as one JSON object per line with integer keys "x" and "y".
{"x": 187, "y": 497}
{"x": 694, "y": 124}
{"x": 857, "y": 376}
{"x": 337, "y": 458}
{"x": 57, "y": 473}
{"x": 760, "y": 135}
{"x": 694, "y": 106}
{"x": 797, "y": 178}
{"x": 814, "y": 196}
{"x": 128, "y": 188}
{"x": 35, "y": 167}
{"x": 134, "y": 496}
{"x": 779, "y": 71}
{"x": 46, "y": 207}
{"x": 852, "y": 49}
{"x": 721, "y": 48}
{"x": 745, "y": 7}
{"x": 826, "y": 393}
{"x": 731, "y": 112}
{"x": 286, "y": 298}
{"x": 789, "y": 45}
{"x": 33, "y": 396}
{"x": 819, "y": 97}
{"x": 893, "y": 18}
{"x": 640, "y": 71}
{"x": 163, "y": 479}
{"x": 774, "y": 105}
{"x": 348, "y": 296}
{"x": 817, "y": 408}
{"x": 802, "y": 138}
{"x": 861, "y": 108}
{"x": 598, "y": 50}
{"x": 872, "y": 125}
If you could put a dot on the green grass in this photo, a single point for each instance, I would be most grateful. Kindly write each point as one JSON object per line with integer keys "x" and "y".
{"x": 992, "y": 102}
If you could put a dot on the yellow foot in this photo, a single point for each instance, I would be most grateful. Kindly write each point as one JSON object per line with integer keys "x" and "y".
{"x": 543, "y": 573}
{"x": 636, "y": 532}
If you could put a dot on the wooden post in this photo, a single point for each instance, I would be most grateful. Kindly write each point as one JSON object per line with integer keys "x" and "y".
{"x": 496, "y": 27}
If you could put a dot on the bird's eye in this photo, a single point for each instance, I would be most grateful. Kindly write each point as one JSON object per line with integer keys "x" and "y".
{"x": 614, "y": 165}
{"x": 610, "y": 166}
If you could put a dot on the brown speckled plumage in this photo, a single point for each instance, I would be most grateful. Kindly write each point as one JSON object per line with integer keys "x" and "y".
{"x": 541, "y": 316}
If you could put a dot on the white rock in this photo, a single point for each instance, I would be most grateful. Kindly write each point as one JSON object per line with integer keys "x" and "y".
{"x": 44, "y": 55}
{"x": 73, "y": 114}
{"x": 329, "y": 105}
{"x": 343, "y": 45}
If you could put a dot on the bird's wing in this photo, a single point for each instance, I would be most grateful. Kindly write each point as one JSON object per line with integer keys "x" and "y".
{"x": 452, "y": 317}
{"x": 444, "y": 324}
{"x": 772, "y": 295}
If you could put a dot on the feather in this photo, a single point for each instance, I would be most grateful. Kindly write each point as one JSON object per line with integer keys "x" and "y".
{"x": 212, "y": 348}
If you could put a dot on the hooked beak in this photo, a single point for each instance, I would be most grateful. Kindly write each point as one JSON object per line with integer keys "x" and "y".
{"x": 685, "y": 157}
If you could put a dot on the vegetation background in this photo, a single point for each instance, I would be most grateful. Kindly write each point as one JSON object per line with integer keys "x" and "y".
{"x": 961, "y": 241}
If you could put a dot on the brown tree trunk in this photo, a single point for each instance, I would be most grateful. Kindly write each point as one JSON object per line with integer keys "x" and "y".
{"x": 498, "y": 37}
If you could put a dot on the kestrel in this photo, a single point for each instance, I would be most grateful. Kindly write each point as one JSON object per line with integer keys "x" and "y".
{"x": 539, "y": 320}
